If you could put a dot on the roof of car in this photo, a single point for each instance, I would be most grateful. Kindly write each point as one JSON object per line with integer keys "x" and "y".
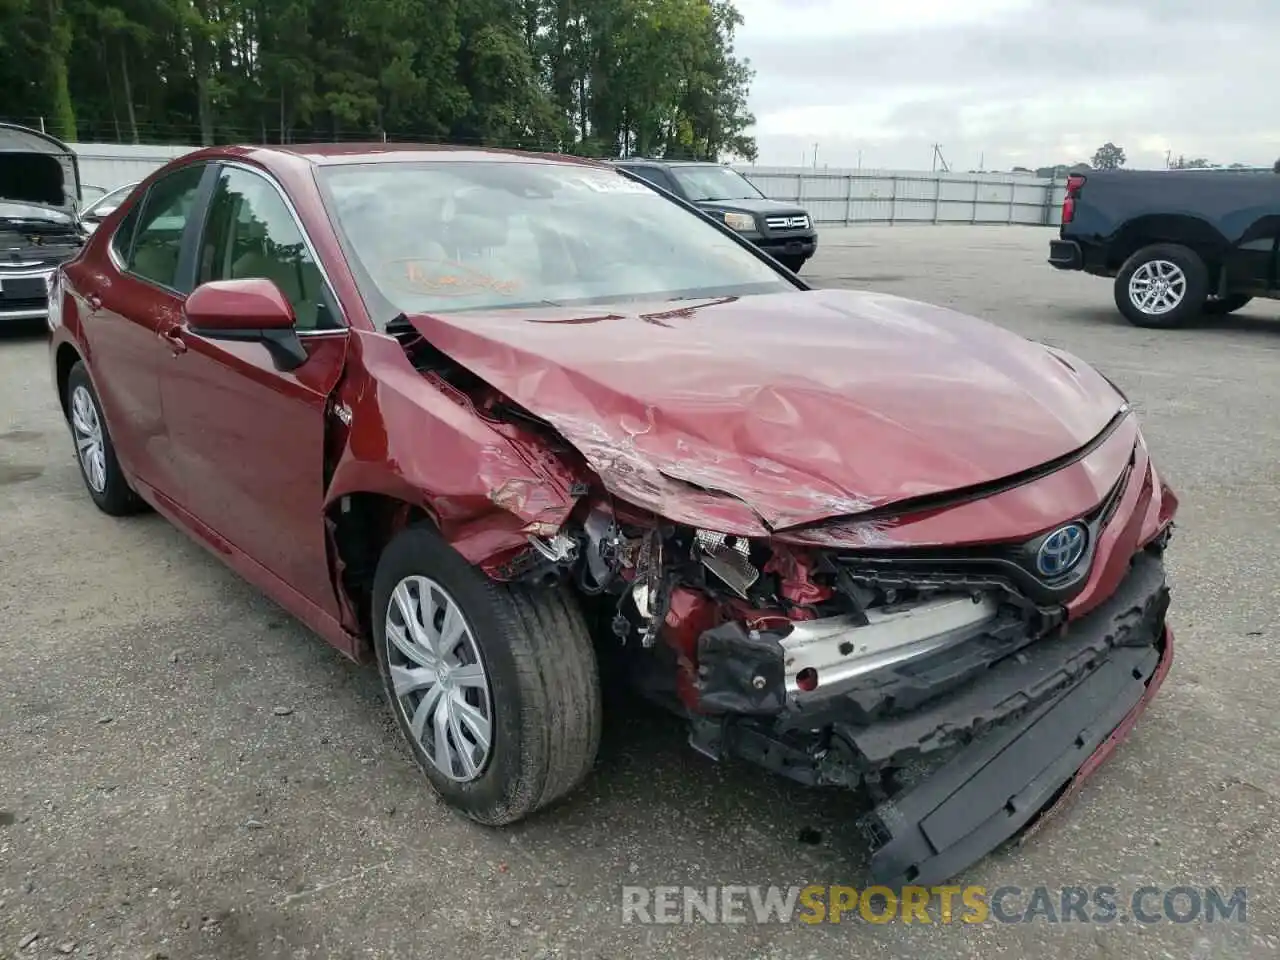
{"x": 654, "y": 161}
{"x": 327, "y": 154}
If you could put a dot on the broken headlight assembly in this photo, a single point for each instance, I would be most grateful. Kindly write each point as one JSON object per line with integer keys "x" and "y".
{"x": 824, "y": 630}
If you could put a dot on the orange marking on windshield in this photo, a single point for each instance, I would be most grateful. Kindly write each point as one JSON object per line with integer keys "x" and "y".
{"x": 449, "y": 278}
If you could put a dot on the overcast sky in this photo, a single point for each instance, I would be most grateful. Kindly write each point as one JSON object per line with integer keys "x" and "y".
{"x": 1025, "y": 82}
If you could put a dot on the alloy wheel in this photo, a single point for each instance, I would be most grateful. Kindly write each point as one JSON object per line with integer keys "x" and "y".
{"x": 90, "y": 445}
{"x": 439, "y": 678}
{"x": 1157, "y": 287}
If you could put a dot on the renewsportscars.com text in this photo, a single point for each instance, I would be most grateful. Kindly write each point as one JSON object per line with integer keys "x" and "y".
{"x": 820, "y": 903}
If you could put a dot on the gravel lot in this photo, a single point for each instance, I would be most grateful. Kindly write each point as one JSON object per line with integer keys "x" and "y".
{"x": 186, "y": 773}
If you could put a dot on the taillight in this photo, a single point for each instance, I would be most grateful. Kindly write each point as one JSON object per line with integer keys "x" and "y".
{"x": 1074, "y": 183}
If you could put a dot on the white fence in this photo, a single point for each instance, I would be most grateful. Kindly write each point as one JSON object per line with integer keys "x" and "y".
{"x": 111, "y": 165}
{"x": 908, "y": 196}
{"x": 830, "y": 196}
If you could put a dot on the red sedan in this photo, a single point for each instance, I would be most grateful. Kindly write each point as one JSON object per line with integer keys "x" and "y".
{"x": 490, "y": 419}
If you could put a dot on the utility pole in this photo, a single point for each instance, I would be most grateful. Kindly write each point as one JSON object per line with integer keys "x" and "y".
{"x": 815, "y": 156}
{"x": 938, "y": 158}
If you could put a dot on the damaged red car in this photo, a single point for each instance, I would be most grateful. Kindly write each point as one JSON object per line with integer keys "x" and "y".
{"x": 493, "y": 420}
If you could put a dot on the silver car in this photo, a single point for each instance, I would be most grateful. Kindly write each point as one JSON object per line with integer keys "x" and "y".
{"x": 104, "y": 206}
{"x": 39, "y": 227}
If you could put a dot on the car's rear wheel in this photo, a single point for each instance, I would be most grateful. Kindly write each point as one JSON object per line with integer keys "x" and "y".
{"x": 793, "y": 263}
{"x": 1163, "y": 285}
{"x": 95, "y": 452}
{"x": 1221, "y": 306}
{"x": 494, "y": 686}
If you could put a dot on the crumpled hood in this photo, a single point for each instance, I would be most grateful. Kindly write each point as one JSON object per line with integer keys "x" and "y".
{"x": 803, "y": 406}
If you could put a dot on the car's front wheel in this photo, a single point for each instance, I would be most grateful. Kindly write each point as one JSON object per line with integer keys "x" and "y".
{"x": 1163, "y": 285}
{"x": 793, "y": 263}
{"x": 494, "y": 686}
{"x": 95, "y": 453}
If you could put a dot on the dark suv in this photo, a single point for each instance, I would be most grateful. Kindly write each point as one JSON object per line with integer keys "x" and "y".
{"x": 783, "y": 230}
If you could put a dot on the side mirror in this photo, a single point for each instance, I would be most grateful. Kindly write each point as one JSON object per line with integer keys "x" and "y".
{"x": 252, "y": 309}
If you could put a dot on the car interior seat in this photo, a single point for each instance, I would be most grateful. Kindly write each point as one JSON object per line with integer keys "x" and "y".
{"x": 253, "y": 253}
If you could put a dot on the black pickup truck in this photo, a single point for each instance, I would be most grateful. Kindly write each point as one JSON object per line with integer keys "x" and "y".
{"x": 783, "y": 230}
{"x": 1179, "y": 243}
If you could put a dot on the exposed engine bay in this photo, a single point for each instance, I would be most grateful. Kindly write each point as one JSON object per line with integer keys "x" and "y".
{"x": 848, "y": 668}
{"x": 24, "y": 240}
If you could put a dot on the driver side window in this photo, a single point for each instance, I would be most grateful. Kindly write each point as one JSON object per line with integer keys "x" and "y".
{"x": 251, "y": 232}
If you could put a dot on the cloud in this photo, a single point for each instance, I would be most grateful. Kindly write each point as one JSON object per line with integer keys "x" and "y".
{"x": 1026, "y": 82}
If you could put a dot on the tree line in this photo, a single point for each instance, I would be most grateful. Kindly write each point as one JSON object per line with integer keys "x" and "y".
{"x": 592, "y": 77}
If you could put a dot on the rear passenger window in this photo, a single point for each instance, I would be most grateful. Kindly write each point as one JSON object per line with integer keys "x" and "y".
{"x": 157, "y": 241}
{"x": 122, "y": 239}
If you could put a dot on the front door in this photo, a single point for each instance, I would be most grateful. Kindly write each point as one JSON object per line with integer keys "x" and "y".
{"x": 249, "y": 439}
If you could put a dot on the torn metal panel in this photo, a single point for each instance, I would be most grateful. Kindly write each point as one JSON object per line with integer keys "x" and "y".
{"x": 799, "y": 407}
{"x": 485, "y": 489}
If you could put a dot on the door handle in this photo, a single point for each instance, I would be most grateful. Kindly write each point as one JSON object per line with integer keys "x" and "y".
{"x": 94, "y": 301}
{"x": 173, "y": 337}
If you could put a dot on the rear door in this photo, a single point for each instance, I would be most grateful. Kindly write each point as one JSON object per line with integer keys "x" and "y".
{"x": 126, "y": 299}
{"x": 248, "y": 440}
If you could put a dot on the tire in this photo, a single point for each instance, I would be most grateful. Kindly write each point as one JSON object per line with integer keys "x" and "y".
{"x": 537, "y": 685}
{"x": 793, "y": 263}
{"x": 1186, "y": 291}
{"x": 95, "y": 453}
{"x": 1221, "y": 306}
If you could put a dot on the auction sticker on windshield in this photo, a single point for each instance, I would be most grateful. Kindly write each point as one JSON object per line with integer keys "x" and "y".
{"x": 608, "y": 183}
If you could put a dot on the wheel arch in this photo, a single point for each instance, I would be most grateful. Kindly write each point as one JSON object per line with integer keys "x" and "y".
{"x": 64, "y": 359}
{"x": 359, "y": 524}
{"x": 1185, "y": 230}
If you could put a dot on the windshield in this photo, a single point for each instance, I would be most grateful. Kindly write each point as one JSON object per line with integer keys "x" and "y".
{"x": 715, "y": 183}
{"x": 29, "y": 211}
{"x": 439, "y": 237}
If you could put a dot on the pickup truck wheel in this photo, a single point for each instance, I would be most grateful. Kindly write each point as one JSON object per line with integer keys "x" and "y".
{"x": 793, "y": 263}
{"x": 1221, "y": 306}
{"x": 494, "y": 686}
{"x": 1163, "y": 285}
